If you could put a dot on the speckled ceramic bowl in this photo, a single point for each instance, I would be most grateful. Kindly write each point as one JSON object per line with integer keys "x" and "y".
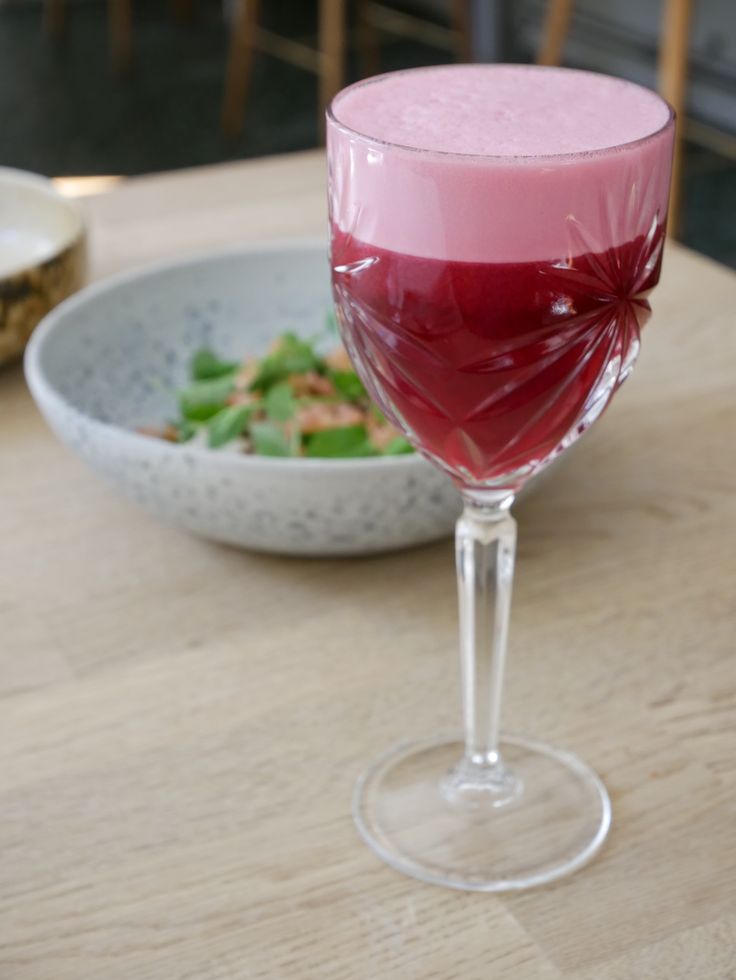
{"x": 42, "y": 255}
{"x": 110, "y": 358}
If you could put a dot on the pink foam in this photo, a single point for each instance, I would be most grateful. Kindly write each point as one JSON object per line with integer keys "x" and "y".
{"x": 498, "y": 162}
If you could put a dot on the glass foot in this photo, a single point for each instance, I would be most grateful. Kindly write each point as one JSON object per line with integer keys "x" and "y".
{"x": 544, "y": 815}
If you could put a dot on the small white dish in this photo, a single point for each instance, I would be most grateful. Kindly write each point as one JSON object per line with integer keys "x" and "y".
{"x": 42, "y": 254}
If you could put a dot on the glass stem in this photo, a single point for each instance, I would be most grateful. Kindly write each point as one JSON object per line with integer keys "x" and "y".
{"x": 485, "y": 545}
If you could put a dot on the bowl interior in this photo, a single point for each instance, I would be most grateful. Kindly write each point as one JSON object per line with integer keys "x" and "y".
{"x": 36, "y": 222}
{"x": 117, "y": 352}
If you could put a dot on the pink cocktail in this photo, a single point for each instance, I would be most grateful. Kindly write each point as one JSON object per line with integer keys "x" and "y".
{"x": 496, "y": 232}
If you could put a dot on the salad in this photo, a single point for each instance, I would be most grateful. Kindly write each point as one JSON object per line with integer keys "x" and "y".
{"x": 294, "y": 401}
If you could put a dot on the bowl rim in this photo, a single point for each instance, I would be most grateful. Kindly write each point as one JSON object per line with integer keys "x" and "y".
{"x": 43, "y": 391}
{"x": 14, "y": 176}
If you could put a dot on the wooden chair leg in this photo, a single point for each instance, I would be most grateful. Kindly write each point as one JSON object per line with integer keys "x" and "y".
{"x": 673, "y": 58}
{"x": 182, "y": 10}
{"x": 54, "y": 18}
{"x": 120, "y": 23}
{"x": 239, "y": 65}
{"x": 461, "y": 21}
{"x": 369, "y": 51}
{"x": 332, "y": 25}
{"x": 554, "y": 34}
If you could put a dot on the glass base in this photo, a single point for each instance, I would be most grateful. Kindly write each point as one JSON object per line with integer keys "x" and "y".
{"x": 544, "y": 814}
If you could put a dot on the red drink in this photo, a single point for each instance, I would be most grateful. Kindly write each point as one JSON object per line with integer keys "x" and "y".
{"x": 496, "y": 230}
{"x": 490, "y": 367}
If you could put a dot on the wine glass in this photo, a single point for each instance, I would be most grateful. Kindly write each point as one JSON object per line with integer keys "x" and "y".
{"x": 492, "y": 303}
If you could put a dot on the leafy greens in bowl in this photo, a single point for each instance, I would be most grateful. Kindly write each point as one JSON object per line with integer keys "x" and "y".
{"x": 294, "y": 401}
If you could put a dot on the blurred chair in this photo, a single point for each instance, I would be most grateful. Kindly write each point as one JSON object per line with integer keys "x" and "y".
{"x": 673, "y": 51}
{"x": 120, "y": 26}
{"x": 327, "y": 61}
{"x": 376, "y": 18}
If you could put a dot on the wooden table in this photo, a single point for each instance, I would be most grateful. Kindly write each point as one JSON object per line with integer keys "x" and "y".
{"x": 182, "y": 724}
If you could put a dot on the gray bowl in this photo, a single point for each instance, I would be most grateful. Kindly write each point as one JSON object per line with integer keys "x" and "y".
{"x": 110, "y": 359}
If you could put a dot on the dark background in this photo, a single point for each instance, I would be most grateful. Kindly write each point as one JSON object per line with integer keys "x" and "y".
{"x": 63, "y": 111}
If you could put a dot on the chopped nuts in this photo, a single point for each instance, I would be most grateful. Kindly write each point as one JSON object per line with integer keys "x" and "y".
{"x": 325, "y": 415}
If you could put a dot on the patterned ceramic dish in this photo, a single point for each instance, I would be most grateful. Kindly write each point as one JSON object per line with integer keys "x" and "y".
{"x": 110, "y": 358}
{"x": 42, "y": 255}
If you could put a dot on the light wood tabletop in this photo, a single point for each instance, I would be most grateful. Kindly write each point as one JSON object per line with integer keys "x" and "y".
{"x": 182, "y": 723}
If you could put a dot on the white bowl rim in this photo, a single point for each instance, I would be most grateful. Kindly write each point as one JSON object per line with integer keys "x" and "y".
{"x": 42, "y": 389}
{"x": 44, "y": 185}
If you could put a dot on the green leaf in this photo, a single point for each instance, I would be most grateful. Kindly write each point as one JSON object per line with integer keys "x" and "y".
{"x": 331, "y": 325}
{"x": 378, "y": 414}
{"x": 203, "y": 399}
{"x": 280, "y": 403}
{"x": 345, "y": 441}
{"x": 293, "y": 356}
{"x": 228, "y": 424}
{"x": 207, "y": 365}
{"x": 185, "y": 430}
{"x": 397, "y": 447}
{"x": 269, "y": 439}
{"x": 349, "y": 385}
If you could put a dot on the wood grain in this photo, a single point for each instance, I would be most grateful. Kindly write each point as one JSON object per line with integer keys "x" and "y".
{"x": 182, "y": 723}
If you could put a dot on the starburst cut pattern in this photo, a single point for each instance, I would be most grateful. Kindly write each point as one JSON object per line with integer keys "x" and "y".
{"x": 490, "y": 369}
